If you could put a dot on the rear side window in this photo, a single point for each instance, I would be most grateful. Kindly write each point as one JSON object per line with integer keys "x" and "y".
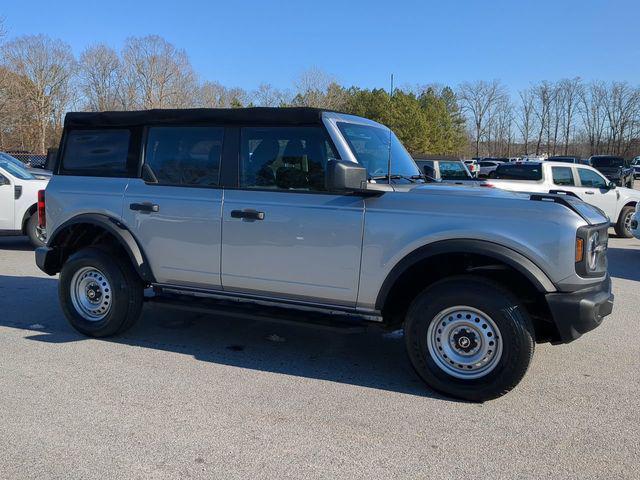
{"x": 453, "y": 171}
{"x": 519, "y": 172}
{"x": 188, "y": 156}
{"x": 96, "y": 153}
{"x": 562, "y": 176}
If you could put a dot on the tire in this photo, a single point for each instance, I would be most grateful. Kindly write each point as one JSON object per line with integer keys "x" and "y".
{"x": 118, "y": 292}
{"x": 32, "y": 231}
{"x": 623, "y": 225}
{"x": 484, "y": 304}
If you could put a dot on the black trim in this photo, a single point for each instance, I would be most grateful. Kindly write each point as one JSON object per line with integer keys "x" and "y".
{"x": 489, "y": 249}
{"x": 50, "y": 261}
{"x": 578, "y": 312}
{"x": 230, "y": 162}
{"x": 226, "y": 116}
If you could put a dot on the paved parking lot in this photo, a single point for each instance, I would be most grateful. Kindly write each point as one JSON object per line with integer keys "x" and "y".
{"x": 194, "y": 396}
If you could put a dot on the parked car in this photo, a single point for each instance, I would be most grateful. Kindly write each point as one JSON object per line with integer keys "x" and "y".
{"x": 635, "y": 222}
{"x": 473, "y": 167}
{"x": 635, "y": 163}
{"x": 487, "y": 166}
{"x": 448, "y": 171}
{"x": 295, "y": 214}
{"x": 616, "y": 169}
{"x": 19, "y": 201}
{"x": 36, "y": 172}
{"x": 580, "y": 181}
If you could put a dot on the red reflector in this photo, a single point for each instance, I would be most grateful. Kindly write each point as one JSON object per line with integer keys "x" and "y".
{"x": 42, "y": 216}
{"x": 488, "y": 185}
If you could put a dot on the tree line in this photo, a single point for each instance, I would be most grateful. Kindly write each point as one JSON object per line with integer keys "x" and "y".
{"x": 41, "y": 79}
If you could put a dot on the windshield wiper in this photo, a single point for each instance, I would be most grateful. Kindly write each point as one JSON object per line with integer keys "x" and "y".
{"x": 395, "y": 176}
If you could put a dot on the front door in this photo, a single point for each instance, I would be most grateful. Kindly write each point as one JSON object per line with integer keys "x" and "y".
{"x": 175, "y": 210}
{"x": 283, "y": 235}
{"x": 7, "y": 203}
{"x": 594, "y": 189}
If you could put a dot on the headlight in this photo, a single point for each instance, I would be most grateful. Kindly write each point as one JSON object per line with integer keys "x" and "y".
{"x": 591, "y": 250}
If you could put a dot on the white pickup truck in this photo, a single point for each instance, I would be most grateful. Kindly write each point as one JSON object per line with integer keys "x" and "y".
{"x": 19, "y": 202}
{"x": 581, "y": 181}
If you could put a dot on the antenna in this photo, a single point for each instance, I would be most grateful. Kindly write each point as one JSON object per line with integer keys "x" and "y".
{"x": 389, "y": 158}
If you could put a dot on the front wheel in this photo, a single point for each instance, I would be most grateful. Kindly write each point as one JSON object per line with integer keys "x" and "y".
{"x": 100, "y": 293}
{"x": 469, "y": 338}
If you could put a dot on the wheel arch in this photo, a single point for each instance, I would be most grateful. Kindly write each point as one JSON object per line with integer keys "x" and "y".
{"x": 67, "y": 236}
{"x": 430, "y": 263}
{"x": 29, "y": 212}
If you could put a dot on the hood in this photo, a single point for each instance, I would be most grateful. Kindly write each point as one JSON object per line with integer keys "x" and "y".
{"x": 588, "y": 213}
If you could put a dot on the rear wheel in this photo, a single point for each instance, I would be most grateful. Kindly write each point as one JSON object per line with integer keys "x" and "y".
{"x": 469, "y": 338}
{"x": 623, "y": 226}
{"x": 34, "y": 232}
{"x": 100, "y": 293}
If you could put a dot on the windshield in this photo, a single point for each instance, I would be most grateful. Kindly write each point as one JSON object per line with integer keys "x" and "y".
{"x": 453, "y": 171}
{"x": 17, "y": 171}
{"x": 605, "y": 162}
{"x": 371, "y": 147}
{"x": 518, "y": 172}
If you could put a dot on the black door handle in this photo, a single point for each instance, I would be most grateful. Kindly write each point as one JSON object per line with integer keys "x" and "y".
{"x": 145, "y": 207}
{"x": 247, "y": 214}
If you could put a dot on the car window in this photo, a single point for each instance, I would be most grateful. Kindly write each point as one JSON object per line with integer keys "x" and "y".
{"x": 515, "y": 171}
{"x": 293, "y": 158}
{"x": 96, "y": 152}
{"x": 453, "y": 171}
{"x": 17, "y": 171}
{"x": 607, "y": 162}
{"x": 562, "y": 176}
{"x": 184, "y": 155}
{"x": 589, "y": 178}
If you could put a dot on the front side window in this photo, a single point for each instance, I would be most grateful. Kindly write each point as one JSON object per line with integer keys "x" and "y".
{"x": 375, "y": 148}
{"x": 284, "y": 158}
{"x": 562, "y": 176}
{"x": 591, "y": 179}
{"x": 96, "y": 152}
{"x": 187, "y": 156}
{"x": 453, "y": 171}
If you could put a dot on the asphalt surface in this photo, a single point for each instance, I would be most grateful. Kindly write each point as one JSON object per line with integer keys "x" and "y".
{"x": 194, "y": 396}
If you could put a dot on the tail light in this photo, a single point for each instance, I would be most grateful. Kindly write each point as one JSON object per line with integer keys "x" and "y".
{"x": 42, "y": 215}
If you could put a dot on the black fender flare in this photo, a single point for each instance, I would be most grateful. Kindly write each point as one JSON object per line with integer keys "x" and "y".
{"x": 115, "y": 228}
{"x": 496, "y": 251}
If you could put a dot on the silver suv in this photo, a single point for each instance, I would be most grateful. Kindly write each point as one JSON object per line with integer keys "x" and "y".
{"x": 316, "y": 216}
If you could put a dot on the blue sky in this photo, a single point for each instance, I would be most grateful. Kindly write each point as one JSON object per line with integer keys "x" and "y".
{"x": 243, "y": 43}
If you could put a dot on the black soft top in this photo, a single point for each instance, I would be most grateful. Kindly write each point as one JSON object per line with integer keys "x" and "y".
{"x": 253, "y": 115}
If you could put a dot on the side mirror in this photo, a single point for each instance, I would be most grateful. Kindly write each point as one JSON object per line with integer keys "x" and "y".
{"x": 611, "y": 186}
{"x": 345, "y": 176}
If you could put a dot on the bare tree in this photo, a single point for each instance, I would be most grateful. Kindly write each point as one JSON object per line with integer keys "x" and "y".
{"x": 526, "y": 118}
{"x": 100, "y": 78}
{"x": 479, "y": 100}
{"x": 593, "y": 113}
{"x": 43, "y": 68}
{"x": 543, "y": 94}
{"x": 157, "y": 74}
{"x": 571, "y": 90}
{"x": 266, "y": 95}
{"x": 311, "y": 88}
{"x": 215, "y": 95}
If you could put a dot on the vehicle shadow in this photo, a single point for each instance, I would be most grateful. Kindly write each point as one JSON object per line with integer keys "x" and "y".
{"x": 20, "y": 243}
{"x": 370, "y": 359}
{"x": 624, "y": 262}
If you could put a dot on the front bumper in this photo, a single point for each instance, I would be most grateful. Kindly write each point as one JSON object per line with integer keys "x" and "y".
{"x": 575, "y": 313}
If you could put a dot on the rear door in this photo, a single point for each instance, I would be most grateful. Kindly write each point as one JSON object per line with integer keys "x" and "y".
{"x": 283, "y": 235}
{"x": 175, "y": 209}
{"x": 7, "y": 203}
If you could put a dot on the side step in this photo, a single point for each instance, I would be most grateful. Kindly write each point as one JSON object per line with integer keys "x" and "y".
{"x": 345, "y": 323}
